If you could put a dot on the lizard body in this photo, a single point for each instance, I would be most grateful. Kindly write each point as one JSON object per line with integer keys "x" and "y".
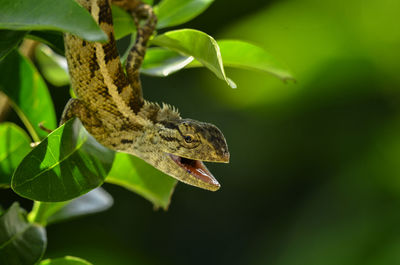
{"x": 111, "y": 107}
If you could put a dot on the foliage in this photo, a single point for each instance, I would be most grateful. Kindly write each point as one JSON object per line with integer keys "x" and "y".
{"x": 65, "y": 261}
{"x": 63, "y": 166}
{"x": 21, "y": 242}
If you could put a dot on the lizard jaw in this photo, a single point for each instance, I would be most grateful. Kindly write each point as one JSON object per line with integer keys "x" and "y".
{"x": 197, "y": 169}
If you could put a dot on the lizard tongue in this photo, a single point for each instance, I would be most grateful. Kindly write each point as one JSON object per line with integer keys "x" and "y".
{"x": 196, "y": 168}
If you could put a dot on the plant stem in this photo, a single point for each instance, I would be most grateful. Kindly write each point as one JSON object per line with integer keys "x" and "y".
{"x": 37, "y": 215}
{"x": 4, "y": 106}
{"x": 27, "y": 49}
{"x": 42, "y": 211}
{"x": 26, "y": 122}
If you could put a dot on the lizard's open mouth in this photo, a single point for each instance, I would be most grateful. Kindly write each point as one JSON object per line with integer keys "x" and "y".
{"x": 195, "y": 168}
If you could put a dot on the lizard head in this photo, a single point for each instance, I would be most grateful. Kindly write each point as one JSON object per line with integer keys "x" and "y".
{"x": 180, "y": 146}
{"x": 194, "y": 139}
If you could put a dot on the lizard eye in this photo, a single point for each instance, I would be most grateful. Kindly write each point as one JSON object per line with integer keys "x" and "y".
{"x": 188, "y": 139}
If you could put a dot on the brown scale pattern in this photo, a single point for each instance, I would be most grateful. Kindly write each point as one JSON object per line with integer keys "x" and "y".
{"x": 111, "y": 107}
{"x": 86, "y": 78}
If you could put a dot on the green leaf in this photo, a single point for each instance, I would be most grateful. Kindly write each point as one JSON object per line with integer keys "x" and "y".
{"x": 235, "y": 53}
{"x": 149, "y": 2}
{"x": 21, "y": 242}
{"x": 130, "y": 46}
{"x": 53, "y": 39}
{"x": 175, "y": 12}
{"x": 28, "y": 93}
{"x": 138, "y": 176}
{"x": 53, "y": 66}
{"x": 95, "y": 201}
{"x": 162, "y": 62}
{"x": 65, "y": 165}
{"x": 195, "y": 43}
{"x": 68, "y": 260}
{"x": 64, "y": 15}
{"x": 123, "y": 22}
{"x": 14, "y": 146}
{"x": 9, "y": 40}
{"x": 240, "y": 54}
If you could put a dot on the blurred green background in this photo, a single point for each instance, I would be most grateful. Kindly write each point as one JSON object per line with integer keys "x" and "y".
{"x": 314, "y": 176}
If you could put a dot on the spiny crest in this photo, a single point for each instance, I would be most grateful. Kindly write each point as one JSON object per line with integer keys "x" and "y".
{"x": 147, "y": 113}
{"x": 169, "y": 112}
{"x": 153, "y": 112}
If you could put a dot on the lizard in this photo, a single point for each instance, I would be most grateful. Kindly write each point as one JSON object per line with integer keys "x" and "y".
{"x": 110, "y": 104}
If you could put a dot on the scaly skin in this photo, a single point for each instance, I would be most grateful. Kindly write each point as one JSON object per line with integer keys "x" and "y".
{"x": 111, "y": 107}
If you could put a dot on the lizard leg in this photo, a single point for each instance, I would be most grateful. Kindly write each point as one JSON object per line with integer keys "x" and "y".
{"x": 139, "y": 11}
